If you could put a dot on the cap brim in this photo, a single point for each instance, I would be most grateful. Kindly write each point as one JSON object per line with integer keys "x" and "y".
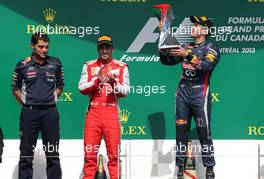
{"x": 195, "y": 19}
{"x": 104, "y": 42}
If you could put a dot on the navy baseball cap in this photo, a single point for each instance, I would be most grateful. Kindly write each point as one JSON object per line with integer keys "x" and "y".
{"x": 203, "y": 20}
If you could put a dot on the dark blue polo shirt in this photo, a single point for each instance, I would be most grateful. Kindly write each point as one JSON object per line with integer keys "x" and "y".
{"x": 38, "y": 82}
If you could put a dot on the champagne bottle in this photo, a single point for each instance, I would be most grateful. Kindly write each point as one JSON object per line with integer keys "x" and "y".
{"x": 100, "y": 173}
{"x": 1, "y": 144}
{"x": 120, "y": 169}
{"x": 189, "y": 165}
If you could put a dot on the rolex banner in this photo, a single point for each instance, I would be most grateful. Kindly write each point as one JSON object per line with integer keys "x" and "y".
{"x": 147, "y": 114}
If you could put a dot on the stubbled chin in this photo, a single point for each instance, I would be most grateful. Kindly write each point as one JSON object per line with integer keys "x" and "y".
{"x": 105, "y": 57}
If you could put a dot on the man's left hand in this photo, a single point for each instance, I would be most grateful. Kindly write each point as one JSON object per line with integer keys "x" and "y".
{"x": 180, "y": 52}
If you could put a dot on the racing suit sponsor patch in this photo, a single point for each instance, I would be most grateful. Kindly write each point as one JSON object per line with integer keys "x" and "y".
{"x": 181, "y": 121}
{"x": 210, "y": 57}
{"x": 31, "y": 74}
{"x": 95, "y": 70}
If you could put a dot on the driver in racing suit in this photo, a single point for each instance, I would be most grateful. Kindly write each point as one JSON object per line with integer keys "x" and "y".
{"x": 104, "y": 80}
{"x": 193, "y": 98}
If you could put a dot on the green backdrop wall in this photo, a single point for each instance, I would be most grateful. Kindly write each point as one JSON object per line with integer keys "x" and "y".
{"x": 237, "y": 82}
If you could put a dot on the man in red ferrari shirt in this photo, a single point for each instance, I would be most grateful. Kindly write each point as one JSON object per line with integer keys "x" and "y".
{"x": 104, "y": 80}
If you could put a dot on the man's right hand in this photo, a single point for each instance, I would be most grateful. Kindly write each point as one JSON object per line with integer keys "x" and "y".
{"x": 106, "y": 78}
{"x": 161, "y": 25}
{"x": 179, "y": 52}
{"x": 18, "y": 94}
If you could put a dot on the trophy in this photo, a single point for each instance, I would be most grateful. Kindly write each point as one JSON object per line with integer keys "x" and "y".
{"x": 166, "y": 39}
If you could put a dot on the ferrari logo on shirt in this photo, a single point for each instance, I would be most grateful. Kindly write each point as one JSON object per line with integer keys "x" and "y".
{"x": 115, "y": 71}
{"x": 95, "y": 70}
{"x": 210, "y": 57}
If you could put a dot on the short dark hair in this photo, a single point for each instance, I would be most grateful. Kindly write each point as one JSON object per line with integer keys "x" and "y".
{"x": 39, "y": 36}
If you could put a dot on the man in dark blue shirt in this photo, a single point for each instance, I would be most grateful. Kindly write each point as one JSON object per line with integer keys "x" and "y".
{"x": 37, "y": 83}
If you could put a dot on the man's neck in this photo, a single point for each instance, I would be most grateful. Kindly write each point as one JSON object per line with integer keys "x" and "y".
{"x": 106, "y": 61}
{"x": 39, "y": 60}
{"x": 200, "y": 39}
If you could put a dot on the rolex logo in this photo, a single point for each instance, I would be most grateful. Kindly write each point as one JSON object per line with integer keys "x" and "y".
{"x": 124, "y": 115}
{"x": 49, "y": 14}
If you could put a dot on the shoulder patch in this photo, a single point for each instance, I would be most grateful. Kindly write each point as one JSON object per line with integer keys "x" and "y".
{"x": 212, "y": 51}
{"x": 26, "y": 60}
{"x": 210, "y": 57}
